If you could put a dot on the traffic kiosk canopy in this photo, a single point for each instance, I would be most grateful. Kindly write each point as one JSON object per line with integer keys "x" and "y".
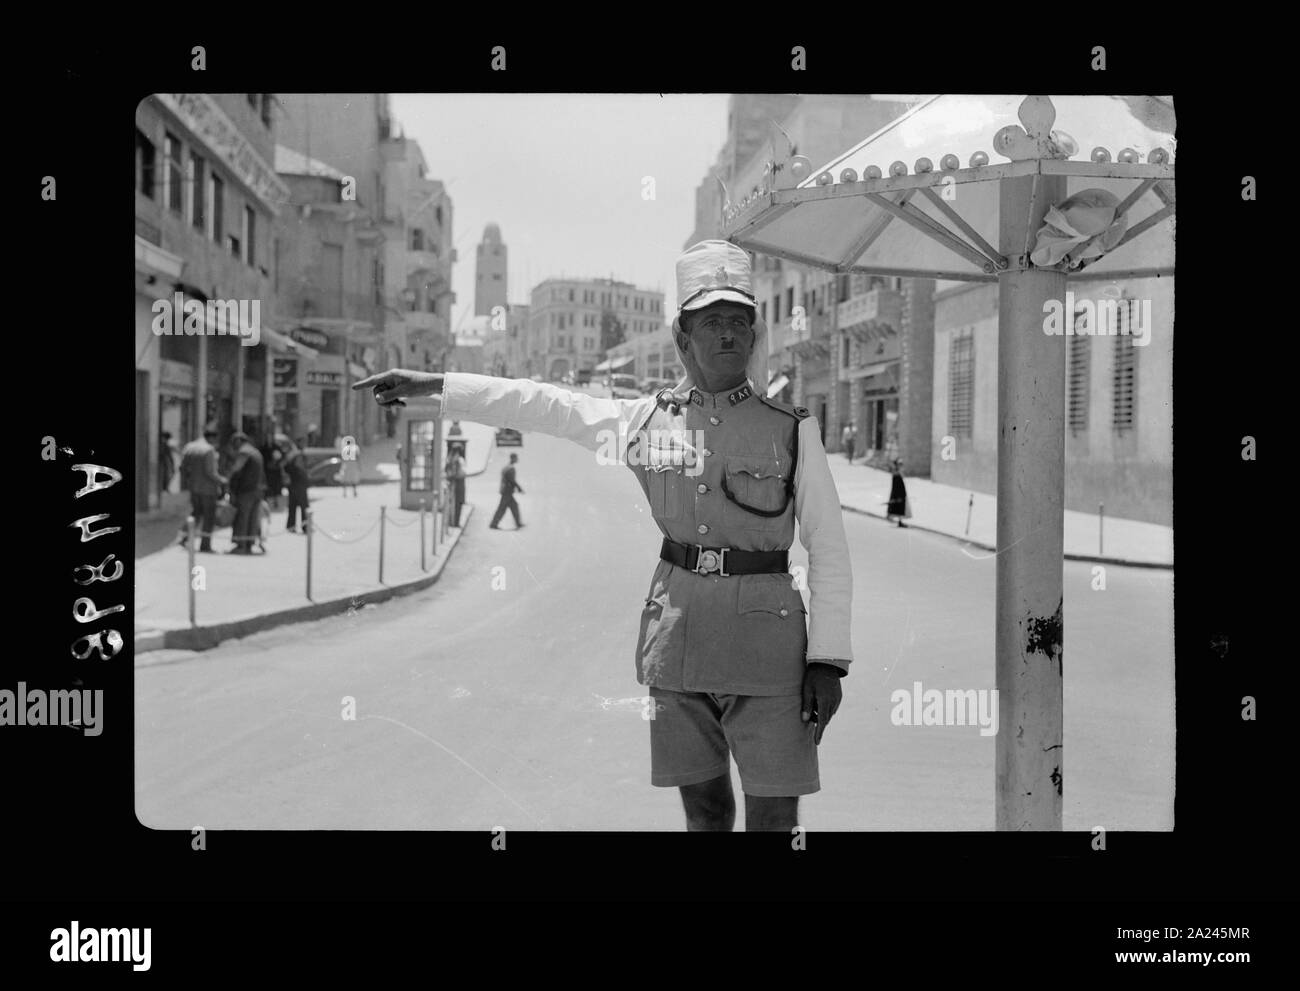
{"x": 921, "y": 197}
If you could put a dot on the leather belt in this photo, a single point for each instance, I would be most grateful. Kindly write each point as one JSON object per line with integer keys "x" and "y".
{"x": 724, "y": 561}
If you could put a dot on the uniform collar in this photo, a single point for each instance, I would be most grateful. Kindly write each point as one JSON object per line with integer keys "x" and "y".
{"x": 722, "y": 400}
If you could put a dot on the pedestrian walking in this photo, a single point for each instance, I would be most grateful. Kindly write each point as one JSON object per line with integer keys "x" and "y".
{"x": 849, "y": 440}
{"x": 350, "y": 471}
{"x": 200, "y": 478}
{"x": 455, "y": 473}
{"x": 509, "y": 486}
{"x": 723, "y": 648}
{"x": 247, "y": 480}
{"x": 166, "y": 462}
{"x": 296, "y": 479}
{"x": 900, "y": 507}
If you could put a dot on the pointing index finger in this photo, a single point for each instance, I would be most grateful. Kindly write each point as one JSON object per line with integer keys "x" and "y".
{"x": 369, "y": 381}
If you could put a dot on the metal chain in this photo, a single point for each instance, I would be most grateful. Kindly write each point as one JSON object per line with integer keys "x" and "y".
{"x": 339, "y": 540}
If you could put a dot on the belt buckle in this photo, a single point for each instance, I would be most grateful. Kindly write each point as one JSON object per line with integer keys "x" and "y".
{"x": 709, "y": 561}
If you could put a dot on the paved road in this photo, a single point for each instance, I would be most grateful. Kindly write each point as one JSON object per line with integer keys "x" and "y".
{"x": 517, "y": 706}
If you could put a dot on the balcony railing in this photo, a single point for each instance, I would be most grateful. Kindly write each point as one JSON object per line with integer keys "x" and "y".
{"x": 423, "y": 321}
{"x": 331, "y": 305}
{"x": 878, "y": 306}
{"x": 437, "y": 267}
{"x": 148, "y": 231}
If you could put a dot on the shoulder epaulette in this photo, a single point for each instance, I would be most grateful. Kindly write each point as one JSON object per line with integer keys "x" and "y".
{"x": 798, "y": 412}
{"x": 667, "y": 399}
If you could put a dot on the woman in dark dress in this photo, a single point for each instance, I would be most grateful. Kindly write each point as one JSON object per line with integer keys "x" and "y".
{"x": 898, "y": 508}
{"x": 272, "y": 457}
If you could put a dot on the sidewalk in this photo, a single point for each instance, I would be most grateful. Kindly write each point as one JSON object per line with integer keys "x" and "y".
{"x": 943, "y": 508}
{"x": 244, "y": 594}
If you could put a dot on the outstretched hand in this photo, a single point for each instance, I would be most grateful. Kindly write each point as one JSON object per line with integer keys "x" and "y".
{"x": 394, "y": 386}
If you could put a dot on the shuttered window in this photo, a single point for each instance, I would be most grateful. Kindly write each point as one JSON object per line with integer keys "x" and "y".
{"x": 1077, "y": 377}
{"x": 961, "y": 384}
{"x": 1124, "y": 379}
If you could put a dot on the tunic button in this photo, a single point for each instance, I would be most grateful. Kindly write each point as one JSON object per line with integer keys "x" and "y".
{"x": 714, "y": 420}
{"x": 701, "y": 488}
{"x": 703, "y": 528}
{"x": 785, "y": 612}
{"x": 706, "y": 452}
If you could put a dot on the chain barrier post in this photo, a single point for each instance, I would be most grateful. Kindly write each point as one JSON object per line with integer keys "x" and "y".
{"x": 422, "y": 564}
{"x": 189, "y": 542}
{"x": 382, "y": 519}
{"x": 307, "y": 526}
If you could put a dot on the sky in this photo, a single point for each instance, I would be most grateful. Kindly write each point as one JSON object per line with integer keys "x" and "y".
{"x": 563, "y": 177}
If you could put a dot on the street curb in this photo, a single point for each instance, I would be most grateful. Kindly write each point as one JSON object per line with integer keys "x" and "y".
{"x": 207, "y": 637}
{"x": 989, "y": 547}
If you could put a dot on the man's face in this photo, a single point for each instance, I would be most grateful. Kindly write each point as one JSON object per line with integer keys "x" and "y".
{"x": 720, "y": 338}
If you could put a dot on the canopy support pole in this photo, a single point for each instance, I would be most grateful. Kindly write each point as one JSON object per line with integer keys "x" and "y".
{"x": 979, "y": 242}
{"x": 863, "y": 243}
{"x": 935, "y": 231}
{"x": 1030, "y": 520}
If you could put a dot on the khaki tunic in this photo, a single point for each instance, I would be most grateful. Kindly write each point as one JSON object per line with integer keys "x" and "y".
{"x": 736, "y": 635}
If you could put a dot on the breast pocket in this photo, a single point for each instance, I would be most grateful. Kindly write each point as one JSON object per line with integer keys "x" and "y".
{"x": 665, "y": 463}
{"x": 757, "y": 486}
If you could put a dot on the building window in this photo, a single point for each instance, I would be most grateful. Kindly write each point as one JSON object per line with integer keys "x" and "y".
{"x": 1124, "y": 377}
{"x": 216, "y": 225}
{"x": 145, "y": 163}
{"x": 417, "y": 239}
{"x": 1077, "y": 376}
{"x": 570, "y": 295}
{"x": 252, "y": 100}
{"x": 776, "y": 308}
{"x": 266, "y": 109}
{"x": 198, "y": 192}
{"x": 762, "y": 310}
{"x": 234, "y": 245}
{"x": 789, "y": 300}
{"x": 961, "y": 384}
{"x": 172, "y": 176}
{"x": 250, "y": 235}
{"x": 496, "y": 276}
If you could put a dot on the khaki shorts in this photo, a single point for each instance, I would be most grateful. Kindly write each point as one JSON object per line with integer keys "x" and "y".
{"x": 692, "y": 734}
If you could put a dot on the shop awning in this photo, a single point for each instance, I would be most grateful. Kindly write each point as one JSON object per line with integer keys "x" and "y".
{"x": 285, "y": 344}
{"x": 611, "y": 364}
{"x": 880, "y": 377}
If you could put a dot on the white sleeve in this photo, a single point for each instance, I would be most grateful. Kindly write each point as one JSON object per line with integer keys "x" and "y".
{"x": 591, "y": 421}
{"x": 821, "y": 531}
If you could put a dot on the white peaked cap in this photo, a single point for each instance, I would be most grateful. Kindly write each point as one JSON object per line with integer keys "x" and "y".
{"x": 718, "y": 272}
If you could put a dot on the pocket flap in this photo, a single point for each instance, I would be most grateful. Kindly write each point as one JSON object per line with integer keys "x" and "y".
{"x": 755, "y": 466}
{"x": 774, "y": 594}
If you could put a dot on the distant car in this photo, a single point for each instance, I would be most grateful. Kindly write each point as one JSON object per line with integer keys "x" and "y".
{"x": 508, "y": 437}
{"x": 325, "y": 472}
{"x": 624, "y": 387}
{"x": 582, "y": 376}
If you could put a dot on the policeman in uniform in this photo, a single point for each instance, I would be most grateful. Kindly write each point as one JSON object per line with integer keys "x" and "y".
{"x": 732, "y": 666}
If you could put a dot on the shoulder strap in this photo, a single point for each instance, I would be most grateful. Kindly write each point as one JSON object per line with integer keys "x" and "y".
{"x": 800, "y": 413}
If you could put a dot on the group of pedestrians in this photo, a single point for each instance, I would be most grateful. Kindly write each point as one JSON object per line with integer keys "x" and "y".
{"x": 253, "y": 476}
